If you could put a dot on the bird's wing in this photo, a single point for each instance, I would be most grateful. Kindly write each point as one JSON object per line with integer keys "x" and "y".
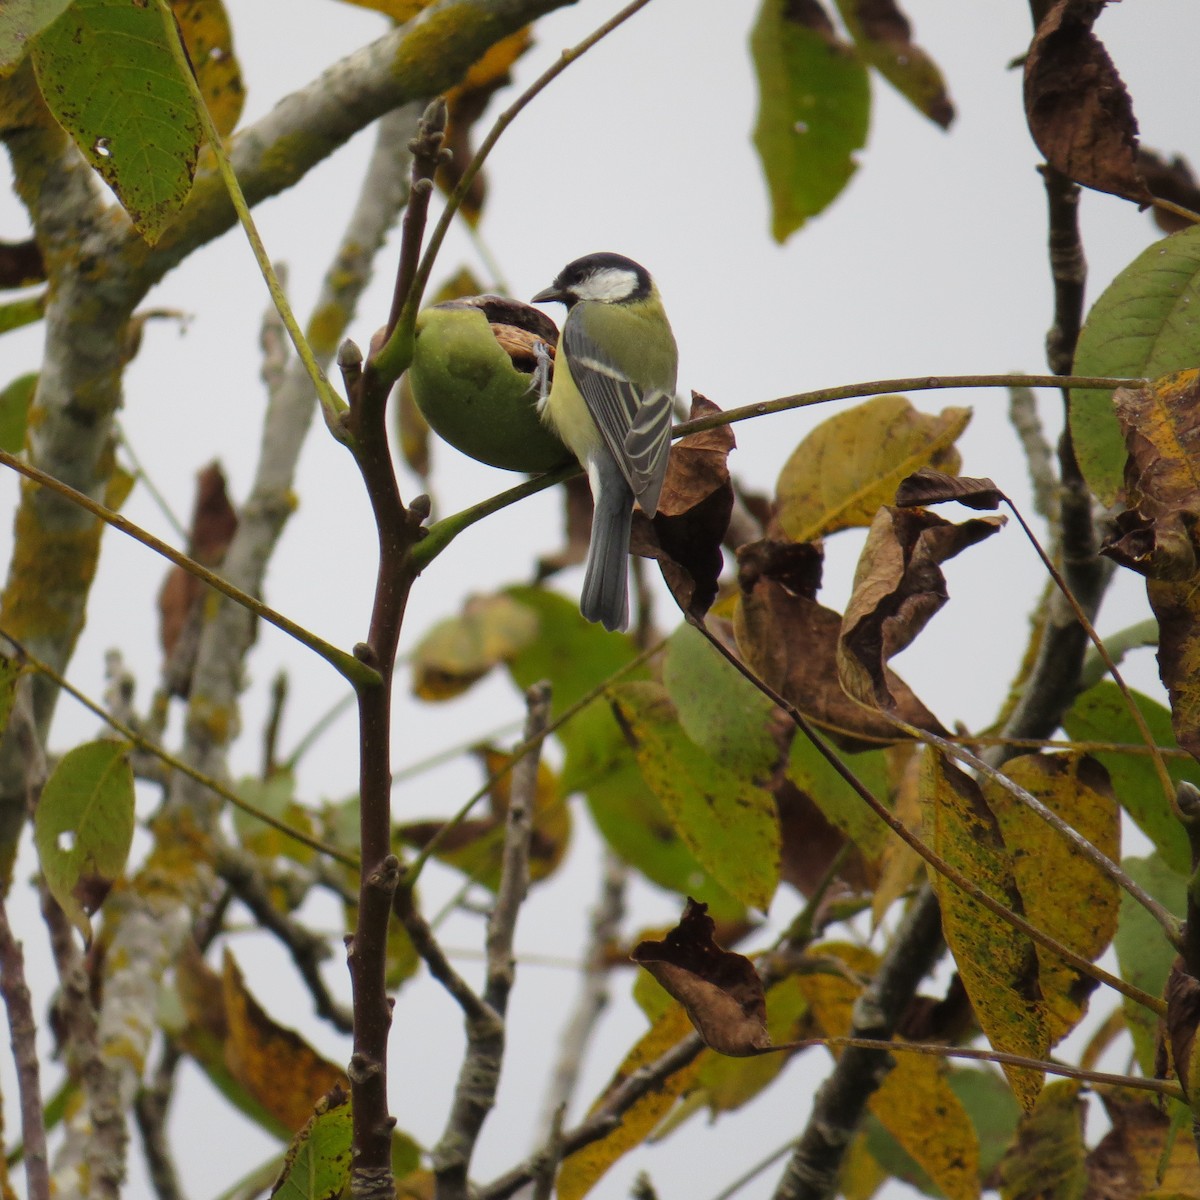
{"x": 634, "y": 421}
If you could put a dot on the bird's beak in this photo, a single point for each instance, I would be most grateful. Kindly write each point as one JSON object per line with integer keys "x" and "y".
{"x": 548, "y": 295}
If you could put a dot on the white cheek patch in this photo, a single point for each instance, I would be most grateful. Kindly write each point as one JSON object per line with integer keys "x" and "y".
{"x": 608, "y": 285}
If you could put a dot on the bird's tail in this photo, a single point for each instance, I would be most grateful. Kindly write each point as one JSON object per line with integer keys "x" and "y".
{"x": 605, "y": 596}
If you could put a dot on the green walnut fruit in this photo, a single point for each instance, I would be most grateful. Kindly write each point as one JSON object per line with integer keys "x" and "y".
{"x": 475, "y": 378}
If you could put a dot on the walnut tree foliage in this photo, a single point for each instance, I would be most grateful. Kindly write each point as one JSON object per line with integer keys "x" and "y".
{"x": 961, "y": 904}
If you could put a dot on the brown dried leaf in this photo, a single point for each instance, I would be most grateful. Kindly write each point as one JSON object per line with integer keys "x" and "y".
{"x": 719, "y": 989}
{"x": 275, "y": 1065}
{"x": 693, "y": 514}
{"x": 21, "y": 264}
{"x": 928, "y": 486}
{"x": 897, "y": 589}
{"x": 1079, "y": 112}
{"x": 790, "y": 641}
{"x": 1127, "y": 1163}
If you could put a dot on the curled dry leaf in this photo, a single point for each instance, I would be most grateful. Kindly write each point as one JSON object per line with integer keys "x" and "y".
{"x": 790, "y": 642}
{"x": 214, "y": 522}
{"x": 1139, "y": 1155}
{"x": 720, "y": 990}
{"x": 1079, "y": 112}
{"x": 693, "y": 514}
{"x": 928, "y": 486}
{"x": 898, "y": 587}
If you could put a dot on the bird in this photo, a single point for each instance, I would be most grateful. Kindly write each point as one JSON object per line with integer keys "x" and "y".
{"x": 610, "y": 401}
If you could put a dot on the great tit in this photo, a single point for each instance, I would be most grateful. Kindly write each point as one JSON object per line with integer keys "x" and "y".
{"x": 610, "y": 402}
{"x": 475, "y": 377}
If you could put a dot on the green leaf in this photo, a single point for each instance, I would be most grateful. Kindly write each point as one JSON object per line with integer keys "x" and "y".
{"x": 840, "y": 804}
{"x": 83, "y": 827}
{"x": 1100, "y": 715}
{"x": 20, "y": 22}
{"x": 10, "y": 672}
{"x": 1146, "y": 323}
{"x": 106, "y": 72}
{"x": 731, "y": 826}
{"x": 814, "y": 109}
{"x": 1143, "y": 953}
{"x": 992, "y": 1110}
{"x": 14, "y": 412}
{"x": 719, "y": 708}
{"x": 883, "y": 37}
{"x": 317, "y": 1166}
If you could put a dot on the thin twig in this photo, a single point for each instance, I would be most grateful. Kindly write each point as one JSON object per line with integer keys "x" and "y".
{"x": 1023, "y": 417}
{"x": 593, "y": 995}
{"x": 308, "y": 949}
{"x": 150, "y": 1109}
{"x": 390, "y": 360}
{"x": 23, "y": 1034}
{"x": 479, "y": 1076}
{"x": 957, "y": 878}
{"x": 102, "y": 1162}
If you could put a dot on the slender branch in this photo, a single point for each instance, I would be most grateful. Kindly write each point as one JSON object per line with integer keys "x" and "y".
{"x": 606, "y": 1117}
{"x": 345, "y": 664}
{"x": 390, "y": 361}
{"x": 23, "y": 1034}
{"x": 102, "y": 1160}
{"x": 308, "y": 949}
{"x": 479, "y": 1076}
{"x": 913, "y": 383}
{"x": 1131, "y": 705}
{"x": 1023, "y": 417}
{"x": 330, "y": 401}
{"x": 1160, "y": 1087}
{"x": 150, "y": 1111}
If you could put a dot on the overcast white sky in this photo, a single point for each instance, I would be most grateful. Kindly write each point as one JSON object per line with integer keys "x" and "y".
{"x": 932, "y": 262}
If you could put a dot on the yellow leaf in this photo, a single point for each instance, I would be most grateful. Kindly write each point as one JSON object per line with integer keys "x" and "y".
{"x": 851, "y": 464}
{"x": 998, "y": 965}
{"x": 1046, "y": 1162}
{"x": 915, "y": 1103}
{"x": 581, "y": 1172}
{"x": 1063, "y": 893}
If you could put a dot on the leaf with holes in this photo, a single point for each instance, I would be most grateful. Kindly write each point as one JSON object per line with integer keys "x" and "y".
{"x": 83, "y": 827}
{"x": 106, "y": 72}
{"x": 814, "y": 109}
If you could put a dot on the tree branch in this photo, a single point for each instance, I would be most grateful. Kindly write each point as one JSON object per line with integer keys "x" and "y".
{"x": 479, "y": 1076}
{"x": 23, "y": 1034}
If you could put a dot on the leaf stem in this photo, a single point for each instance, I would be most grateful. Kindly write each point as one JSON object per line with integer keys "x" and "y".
{"x": 331, "y": 403}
